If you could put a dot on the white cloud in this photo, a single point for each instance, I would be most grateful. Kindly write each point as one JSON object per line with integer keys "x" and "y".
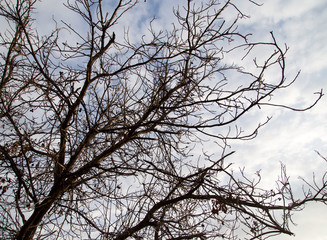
{"x": 292, "y": 137}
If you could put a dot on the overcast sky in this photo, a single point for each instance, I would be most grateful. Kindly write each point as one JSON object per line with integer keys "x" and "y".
{"x": 290, "y": 137}
{"x": 293, "y": 137}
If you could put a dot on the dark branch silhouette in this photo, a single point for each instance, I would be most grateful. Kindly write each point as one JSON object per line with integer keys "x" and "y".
{"x": 100, "y": 137}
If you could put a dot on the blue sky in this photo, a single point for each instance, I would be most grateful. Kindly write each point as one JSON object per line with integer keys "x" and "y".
{"x": 290, "y": 137}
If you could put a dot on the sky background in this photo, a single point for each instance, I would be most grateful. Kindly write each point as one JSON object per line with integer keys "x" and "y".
{"x": 290, "y": 137}
{"x": 293, "y": 137}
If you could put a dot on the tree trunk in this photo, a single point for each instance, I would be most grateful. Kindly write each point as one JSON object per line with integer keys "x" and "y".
{"x": 28, "y": 229}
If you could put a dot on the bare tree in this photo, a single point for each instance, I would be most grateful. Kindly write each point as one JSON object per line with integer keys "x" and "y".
{"x": 99, "y": 137}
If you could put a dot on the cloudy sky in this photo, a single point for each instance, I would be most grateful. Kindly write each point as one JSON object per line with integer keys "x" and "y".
{"x": 290, "y": 138}
{"x": 293, "y": 137}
